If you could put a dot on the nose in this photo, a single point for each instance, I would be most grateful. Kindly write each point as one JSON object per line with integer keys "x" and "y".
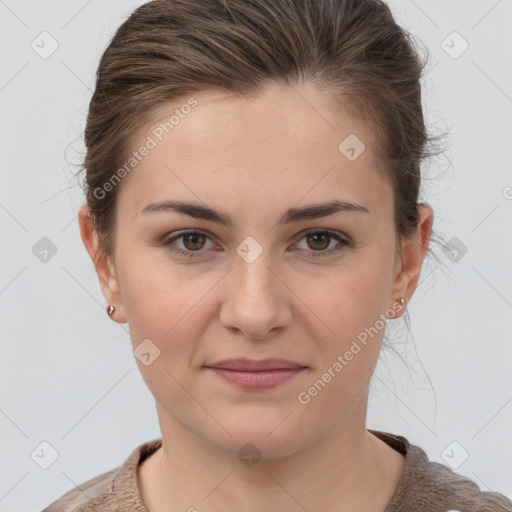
{"x": 256, "y": 298}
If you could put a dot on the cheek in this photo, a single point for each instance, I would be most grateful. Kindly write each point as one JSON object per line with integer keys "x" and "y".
{"x": 155, "y": 291}
{"x": 352, "y": 301}
{"x": 168, "y": 304}
{"x": 349, "y": 349}
{"x": 351, "y": 309}
{"x": 165, "y": 321}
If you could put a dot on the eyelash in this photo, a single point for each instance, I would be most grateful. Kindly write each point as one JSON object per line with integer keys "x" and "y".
{"x": 344, "y": 243}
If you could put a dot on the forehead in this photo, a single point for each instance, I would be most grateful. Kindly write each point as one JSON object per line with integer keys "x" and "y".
{"x": 282, "y": 145}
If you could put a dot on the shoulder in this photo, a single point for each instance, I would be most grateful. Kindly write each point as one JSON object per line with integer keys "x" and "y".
{"x": 108, "y": 491}
{"x": 437, "y": 483}
{"x": 95, "y": 492}
{"x": 430, "y": 486}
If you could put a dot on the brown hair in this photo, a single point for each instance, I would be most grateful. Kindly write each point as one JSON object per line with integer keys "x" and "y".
{"x": 352, "y": 50}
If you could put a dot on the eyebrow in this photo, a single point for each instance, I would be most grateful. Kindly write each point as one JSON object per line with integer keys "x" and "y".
{"x": 198, "y": 211}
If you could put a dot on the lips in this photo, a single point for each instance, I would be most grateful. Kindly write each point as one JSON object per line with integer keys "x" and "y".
{"x": 250, "y": 365}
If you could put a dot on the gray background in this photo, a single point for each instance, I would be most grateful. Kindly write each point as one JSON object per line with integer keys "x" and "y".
{"x": 67, "y": 373}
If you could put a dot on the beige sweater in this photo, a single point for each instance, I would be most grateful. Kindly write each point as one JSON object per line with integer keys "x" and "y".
{"x": 424, "y": 486}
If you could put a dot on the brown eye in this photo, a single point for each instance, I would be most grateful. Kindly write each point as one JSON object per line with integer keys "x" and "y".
{"x": 318, "y": 241}
{"x": 193, "y": 241}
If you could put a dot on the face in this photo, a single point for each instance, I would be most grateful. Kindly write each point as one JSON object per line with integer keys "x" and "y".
{"x": 266, "y": 283}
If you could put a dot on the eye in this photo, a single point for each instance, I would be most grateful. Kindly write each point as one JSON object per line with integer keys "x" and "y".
{"x": 192, "y": 240}
{"x": 320, "y": 239}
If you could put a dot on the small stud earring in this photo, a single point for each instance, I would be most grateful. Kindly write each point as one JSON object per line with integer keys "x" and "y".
{"x": 111, "y": 309}
{"x": 402, "y": 303}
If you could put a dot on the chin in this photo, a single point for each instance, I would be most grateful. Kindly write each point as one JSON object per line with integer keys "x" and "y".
{"x": 267, "y": 435}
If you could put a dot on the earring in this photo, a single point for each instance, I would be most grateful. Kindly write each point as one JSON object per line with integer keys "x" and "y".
{"x": 111, "y": 309}
{"x": 402, "y": 303}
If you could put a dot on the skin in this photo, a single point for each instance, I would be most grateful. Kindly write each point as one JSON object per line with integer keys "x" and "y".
{"x": 253, "y": 159}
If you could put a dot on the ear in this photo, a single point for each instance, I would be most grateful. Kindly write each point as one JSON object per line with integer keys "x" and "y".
{"x": 414, "y": 252}
{"x": 105, "y": 267}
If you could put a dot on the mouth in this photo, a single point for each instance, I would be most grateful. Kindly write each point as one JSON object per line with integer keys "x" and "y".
{"x": 252, "y": 374}
{"x": 248, "y": 365}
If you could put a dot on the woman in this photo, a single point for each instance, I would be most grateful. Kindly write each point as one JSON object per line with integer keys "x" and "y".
{"x": 252, "y": 181}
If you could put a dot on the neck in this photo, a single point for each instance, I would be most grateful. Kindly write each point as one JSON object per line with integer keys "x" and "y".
{"x": 345, "y": 467}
